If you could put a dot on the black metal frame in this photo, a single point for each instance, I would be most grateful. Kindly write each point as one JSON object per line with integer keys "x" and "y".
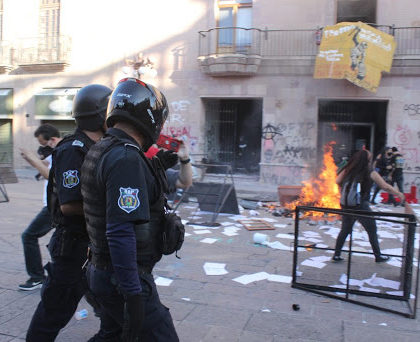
{"x": 3, "y": 191}
{"x": 408, "y": 253}
{"x": 221, "y": 199}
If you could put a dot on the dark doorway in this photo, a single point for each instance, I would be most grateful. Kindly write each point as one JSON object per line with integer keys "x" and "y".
{"x": 233, "y": 133}
{"x": 352, "y": 125}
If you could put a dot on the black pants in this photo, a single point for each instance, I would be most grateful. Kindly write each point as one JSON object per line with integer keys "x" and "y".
{"x": 368, "y": 223}
{"x": 157, "y": 326}
{"x": 39, "y": 227}
{"x": 60, "y": 294}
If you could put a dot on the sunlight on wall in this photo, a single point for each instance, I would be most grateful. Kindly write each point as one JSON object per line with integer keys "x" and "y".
{"x": 126, "y": 27}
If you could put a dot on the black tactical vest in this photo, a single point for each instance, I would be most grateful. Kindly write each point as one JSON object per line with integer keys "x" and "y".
{"x": 148, "y": 235}
{"x": 58, "y": 218}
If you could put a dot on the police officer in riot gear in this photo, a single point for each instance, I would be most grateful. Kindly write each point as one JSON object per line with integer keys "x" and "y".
{"x": 66, "y": 284}
{"x": 123, "y": 204}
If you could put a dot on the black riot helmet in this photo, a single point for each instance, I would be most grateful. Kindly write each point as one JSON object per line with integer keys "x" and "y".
{"x": 89, "y": 107}
{"x": 141, "y": 105}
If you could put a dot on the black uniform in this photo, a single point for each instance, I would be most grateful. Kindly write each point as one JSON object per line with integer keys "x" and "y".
{"x": 123, "y": 204}
{"x": 66, "y": 282}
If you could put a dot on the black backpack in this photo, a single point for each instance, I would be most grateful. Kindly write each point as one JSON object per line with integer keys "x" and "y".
{"x": 351, "y": 194}
{"x": 173, "y": 231}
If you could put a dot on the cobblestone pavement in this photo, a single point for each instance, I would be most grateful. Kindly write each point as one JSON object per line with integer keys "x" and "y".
{"x": 209, "y": 307}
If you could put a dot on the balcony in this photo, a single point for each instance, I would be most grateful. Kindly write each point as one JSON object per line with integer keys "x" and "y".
{"x": 50, "y": 53}
{"x": 235, "y": 51}
{"x": 41, "y": 54}
{"x": 5, "y": 57}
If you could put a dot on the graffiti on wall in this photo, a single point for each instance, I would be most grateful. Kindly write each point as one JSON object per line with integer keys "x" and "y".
{"x": 290, "y": 175}
{"x": 289, "y": 143}
{"x": 175, "y": 125}
{"x": 407, "y": 140}
{"x": 412, "y": 110}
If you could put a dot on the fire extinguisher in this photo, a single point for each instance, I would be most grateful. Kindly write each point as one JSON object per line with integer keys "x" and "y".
{"x": 318, "y": 36}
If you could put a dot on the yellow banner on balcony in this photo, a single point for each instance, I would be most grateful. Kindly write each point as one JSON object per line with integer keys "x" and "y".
{"x": 356, "y": 52}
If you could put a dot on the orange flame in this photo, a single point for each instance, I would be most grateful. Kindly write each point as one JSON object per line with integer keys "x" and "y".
{"x": 322, "y": 191}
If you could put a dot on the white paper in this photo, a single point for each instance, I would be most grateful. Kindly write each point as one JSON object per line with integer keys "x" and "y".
{"x": 321, "y": 258}
{"x": 229, "y": 233}
{"x": 386, "y": 235}
{"x": 277, "y": 245}
{"x": 267, "y": 219}
{"x": 213, "y": 268}
{"x": 186, "y": 299}
{"x": 362, "y": 243}
{"x": 279, "y": 278}
{"x": 265, "y": 310}
{"x": 313, "y": 240}
{"x": 377, "y": 281}
{"x": 352, "y": 282}
{"x": 238, "y": 217}
{"x": 285, "y": 236}
{"x": 369, "y": 289}
{"x": 162, "y": 281}
{"x": 208, "y": 240}
{"x": 199, "y": 232}
{"x": 313, "y": 263}
{"x": 310, "y": 233}
{"x": 249, "y": 278}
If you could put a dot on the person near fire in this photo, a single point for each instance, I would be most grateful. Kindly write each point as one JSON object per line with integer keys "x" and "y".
{"x": 396, "y": 175}
{"x": 382, "y": 165}
{"x": 359, "y": 169}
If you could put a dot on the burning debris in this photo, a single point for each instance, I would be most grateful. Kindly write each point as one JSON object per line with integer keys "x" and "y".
{"x": 322, "y": 191}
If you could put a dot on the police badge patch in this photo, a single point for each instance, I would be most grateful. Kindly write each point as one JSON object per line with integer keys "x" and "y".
{"x": 70, "y": 179}
{"x": 128, "y": 200}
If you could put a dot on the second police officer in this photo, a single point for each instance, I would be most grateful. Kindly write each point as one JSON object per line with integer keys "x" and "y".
{"x": 65, "y": 284}
{"x": 123, "y": 204}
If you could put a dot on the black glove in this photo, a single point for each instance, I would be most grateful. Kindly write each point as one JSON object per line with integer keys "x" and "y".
{"x": 133, "y": 318}
{"x": 167, "y": 158}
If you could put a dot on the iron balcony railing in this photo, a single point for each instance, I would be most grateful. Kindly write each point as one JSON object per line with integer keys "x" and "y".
{"x": 6, "y": 53}
{"x": 283, "y": 43}
{"x": 43, "y": 50}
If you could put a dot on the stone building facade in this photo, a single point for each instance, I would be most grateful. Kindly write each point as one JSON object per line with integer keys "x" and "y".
{"x": 238, "y": 75}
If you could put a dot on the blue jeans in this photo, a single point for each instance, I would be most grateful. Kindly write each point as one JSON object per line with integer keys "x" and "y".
{"x": 157, "y": 325}
{"x": 39, "y": 227}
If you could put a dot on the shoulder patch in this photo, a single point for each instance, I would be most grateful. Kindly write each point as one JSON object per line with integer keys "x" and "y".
{"x": 129, "y": 199}
{"x": 70, "y": 179}
{"x": 78, "y": 143}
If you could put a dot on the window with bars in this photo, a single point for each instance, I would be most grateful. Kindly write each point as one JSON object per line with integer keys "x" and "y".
{"x": 356, "y": 10}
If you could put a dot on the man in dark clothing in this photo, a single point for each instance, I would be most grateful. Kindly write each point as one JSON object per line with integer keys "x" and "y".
{"x": 383, "y": 166}
{"x": 397, "y": 162}
{"x": 124, "y": 205}
{"x": 66, "y": 283}
{"x": 41, "y": 224}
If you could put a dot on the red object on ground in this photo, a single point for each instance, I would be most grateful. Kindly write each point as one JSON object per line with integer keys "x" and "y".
{"x": 151, "y": 152}
{"x": 410, "y": 197}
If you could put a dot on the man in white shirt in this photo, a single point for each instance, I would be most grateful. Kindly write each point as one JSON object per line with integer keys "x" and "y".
{"x": 47, "y": 135}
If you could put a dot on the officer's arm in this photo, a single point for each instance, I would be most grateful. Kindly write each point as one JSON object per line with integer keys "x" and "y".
{"x": 72, "y": 208}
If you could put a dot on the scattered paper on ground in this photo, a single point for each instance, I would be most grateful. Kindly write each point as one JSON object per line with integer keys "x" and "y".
{"x": 208, "y": 240}
{"x": 162, "y": 281}
{"x": 204, "y": 231}
{"x": 213, "y": 268}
